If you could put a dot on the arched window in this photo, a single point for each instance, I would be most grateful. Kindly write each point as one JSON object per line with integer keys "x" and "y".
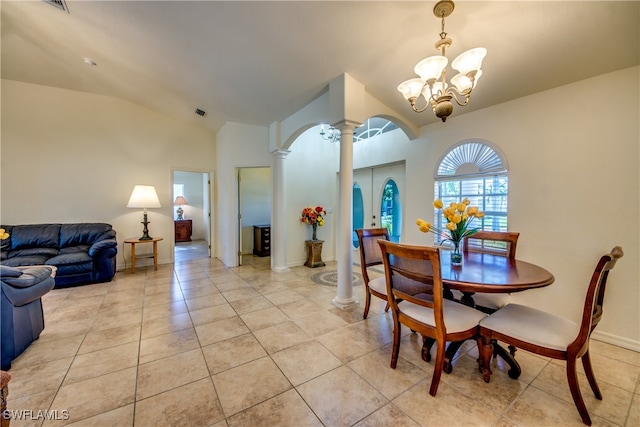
{"x": 476, "y": 170}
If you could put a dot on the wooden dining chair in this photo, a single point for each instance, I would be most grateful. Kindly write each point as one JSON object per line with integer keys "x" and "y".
{"x": 503, "y": 243}
{"x": 552, "y": 336}
{"x": 371, "y": 255}
{"x": 414, "y": 289}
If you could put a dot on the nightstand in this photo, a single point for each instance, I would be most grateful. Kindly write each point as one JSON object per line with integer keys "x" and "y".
{"x": 183, "y": 230}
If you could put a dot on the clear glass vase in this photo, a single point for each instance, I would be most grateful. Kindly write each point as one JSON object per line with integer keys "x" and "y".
{"x": 456, "y": 255}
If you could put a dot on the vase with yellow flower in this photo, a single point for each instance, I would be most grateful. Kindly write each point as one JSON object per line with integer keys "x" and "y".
{"x": 314, "y": 216}
{"x": 460, "y": 217}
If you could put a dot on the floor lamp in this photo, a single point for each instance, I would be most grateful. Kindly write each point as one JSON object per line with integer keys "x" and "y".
{"x": 145, "y": 197}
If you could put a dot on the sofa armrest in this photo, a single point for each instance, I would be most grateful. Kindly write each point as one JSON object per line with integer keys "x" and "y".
{"x": 101, "y": 245}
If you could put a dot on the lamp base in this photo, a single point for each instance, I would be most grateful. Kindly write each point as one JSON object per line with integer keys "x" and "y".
{"x": 145, "y": 230}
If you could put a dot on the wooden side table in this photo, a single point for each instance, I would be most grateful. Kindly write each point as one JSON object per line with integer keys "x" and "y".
{"x": 314, "y": 253}
{"x": 134, "y": 241}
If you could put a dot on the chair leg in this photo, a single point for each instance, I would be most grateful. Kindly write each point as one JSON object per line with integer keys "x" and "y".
{"x": 485, "y": 349}
{"x": 438, "y": 367}
{"x": 386, "y": 307}
{"x": 586, "y": 362}
{"x": 367, "y": 304}
{"x": 396, "y": 342}
{"x": 572, "y": 377}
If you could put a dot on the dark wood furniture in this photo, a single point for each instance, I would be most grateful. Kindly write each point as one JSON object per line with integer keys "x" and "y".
{"x": 5, "y": 377}
{"x": 183, "y": 230}
{"x": 262, "y": 240}
{"x": 134, "y": 241}
{"x": 371, "y": 255}
{"x": 492, "y": 274}
{"x": 424, "y": 310}
{"x": 550, "y": 335}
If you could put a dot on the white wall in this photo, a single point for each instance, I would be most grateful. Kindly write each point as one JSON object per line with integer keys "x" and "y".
{"x": 75, "y": 157}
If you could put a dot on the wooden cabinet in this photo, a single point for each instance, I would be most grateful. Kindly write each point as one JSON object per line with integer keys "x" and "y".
{"x": 262, "y": 240}
{"x": 183, "y": 230}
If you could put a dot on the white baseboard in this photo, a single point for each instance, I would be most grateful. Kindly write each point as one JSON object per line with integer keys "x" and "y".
{"x": 616, "y": 340}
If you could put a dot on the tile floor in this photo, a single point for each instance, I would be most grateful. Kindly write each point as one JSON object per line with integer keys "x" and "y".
{"x": 198, "y": 344}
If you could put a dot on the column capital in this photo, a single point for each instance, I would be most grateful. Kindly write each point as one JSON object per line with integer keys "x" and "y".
{"x": 281, "y": 154}
{"x": 346, "y": 124}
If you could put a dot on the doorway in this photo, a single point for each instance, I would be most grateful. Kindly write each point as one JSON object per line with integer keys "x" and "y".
{"x": 192, "y": 215}
{"x": 254, "y": 215}
{"x": 377, "y": 199}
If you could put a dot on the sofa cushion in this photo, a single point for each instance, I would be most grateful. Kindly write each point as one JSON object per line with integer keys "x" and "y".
{"x": 35, "y": 236}
{"x": 18, "y": 261}
{"x": 29, "y": 277}
{"x": 47, "y": 252}
{"x": 84, "y": 269}
{"x": 74, "y": 255}
{"x": 83, "y": 234}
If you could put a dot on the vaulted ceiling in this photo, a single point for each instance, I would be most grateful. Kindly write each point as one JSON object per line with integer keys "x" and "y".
{"x": 257, "y": 62}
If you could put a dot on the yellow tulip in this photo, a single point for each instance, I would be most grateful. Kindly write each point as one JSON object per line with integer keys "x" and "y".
{"x": 461, "y": 207}
{"x": 451, "y": 226}
{"x": 472, "y": 210}
{"x": 438, "y": 204}
{"x": 425, "y": 227}
{"x": 419, "y": 222}
{"x": 465, "y": 217}
{"x": 456, "y": 218}
{"x": 479, "y": 214}
{"x": 3, "y": 234}
{"x": 466, "y": 201}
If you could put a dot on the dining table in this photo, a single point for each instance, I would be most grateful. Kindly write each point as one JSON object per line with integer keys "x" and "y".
{"x": 487, "y": 273}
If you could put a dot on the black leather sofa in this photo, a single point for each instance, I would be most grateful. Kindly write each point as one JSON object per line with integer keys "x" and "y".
{"x": 83, "y": 253}
{"x": 21, "y": 316}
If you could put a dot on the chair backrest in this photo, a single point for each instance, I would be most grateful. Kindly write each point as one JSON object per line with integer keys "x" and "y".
{"x": 592, "y": 312}
{"x": 413, "y": 274}
{"x": 492, "y": 242}
{"x": 370, "y": 253}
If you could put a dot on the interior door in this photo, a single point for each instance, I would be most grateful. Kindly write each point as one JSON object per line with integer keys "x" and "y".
{"x": 369, "y": 185}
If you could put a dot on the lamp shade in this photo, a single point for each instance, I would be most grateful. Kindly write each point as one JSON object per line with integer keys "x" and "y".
{"x": 144, "y": 196}
{"x": 180, "y": 201}
{"x": 470, "y": 60}
{"x": 431, "y": 68}
{"x": 462, "y": 82}
{"x": 411, "y": 88}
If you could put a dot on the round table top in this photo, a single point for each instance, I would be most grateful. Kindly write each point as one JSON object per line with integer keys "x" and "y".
{"x": 492, "y": 274}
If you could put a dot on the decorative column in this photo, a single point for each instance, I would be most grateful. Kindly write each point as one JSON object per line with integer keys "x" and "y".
{"x": 278, "y": 217}
{"x": 344, "y": 299}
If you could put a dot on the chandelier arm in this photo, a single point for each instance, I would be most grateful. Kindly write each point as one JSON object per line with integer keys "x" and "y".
{"x": 455, "y": 93}
{"x": 420, "y": 110}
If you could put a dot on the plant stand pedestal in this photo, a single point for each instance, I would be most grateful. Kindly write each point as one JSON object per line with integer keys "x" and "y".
{"x": 314, "y": 253}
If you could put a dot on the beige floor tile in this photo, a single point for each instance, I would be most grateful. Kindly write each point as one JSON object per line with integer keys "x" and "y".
{"x": 300, "y": 308}
{"x": 194, "y": 404}
{"x": 241, "y": 293}
{"x": 553, "y": 380}
{"x": 107, "y": 319}
{"x": 201, "y": 291}
{"x": 340, "y": 397}
{"x": 171, "y": 372}
{"x": 166, "y": 345}
{"x": 536, "y": 408}
{"x": 121, "y": 417}
{"x": 247, "y": 305}
{"x": 34, "y": 402}
{"x": 633, "y": 418}
{"x": 348, "y": 344}
{"x": 100, "y": 339}
{"x": 239, "y": 388}
{"x": 164, "y": 310}
{"x": 101, "y": 362}
{"x": 47, "y": 351}
{"x": 388, "y": 415}
{"x": 221, "y": 330}
{"x": 617, "y": 373}
{"x": 211, "y": 314}
{"x": 232, "y": 352}
{"x": 374, "y": 368}
{"x": 599, "y": 348}
{"x": 281, "y": 336}
{"x": 205, "y": 301}
{"x": 283, "y": 296}
{"x": 320, "y": 323}
{"x": 38, "y": 378}
{"x": 264, "y": 318}
{"x": 305, "y": 361}
{"x": 94, "y": 396}
{"x": 448, "y": 407}
{"x": 164, "y": 325}
{"x": 286, "y": 409}
{"x": 65, "y": 329}
{"x": 163, "y": 298}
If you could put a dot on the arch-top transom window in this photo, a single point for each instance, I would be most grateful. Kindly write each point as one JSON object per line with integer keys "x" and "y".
{"x": 475, "y": 170}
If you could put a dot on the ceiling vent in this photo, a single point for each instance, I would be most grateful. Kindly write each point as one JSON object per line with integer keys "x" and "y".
{"x": 200, "y": 112}
{"x": 60, "y": 4}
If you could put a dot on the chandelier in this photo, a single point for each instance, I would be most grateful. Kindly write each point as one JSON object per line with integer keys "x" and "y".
{"x": 332, "y": 135}
{"x": 432, "y": 84}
